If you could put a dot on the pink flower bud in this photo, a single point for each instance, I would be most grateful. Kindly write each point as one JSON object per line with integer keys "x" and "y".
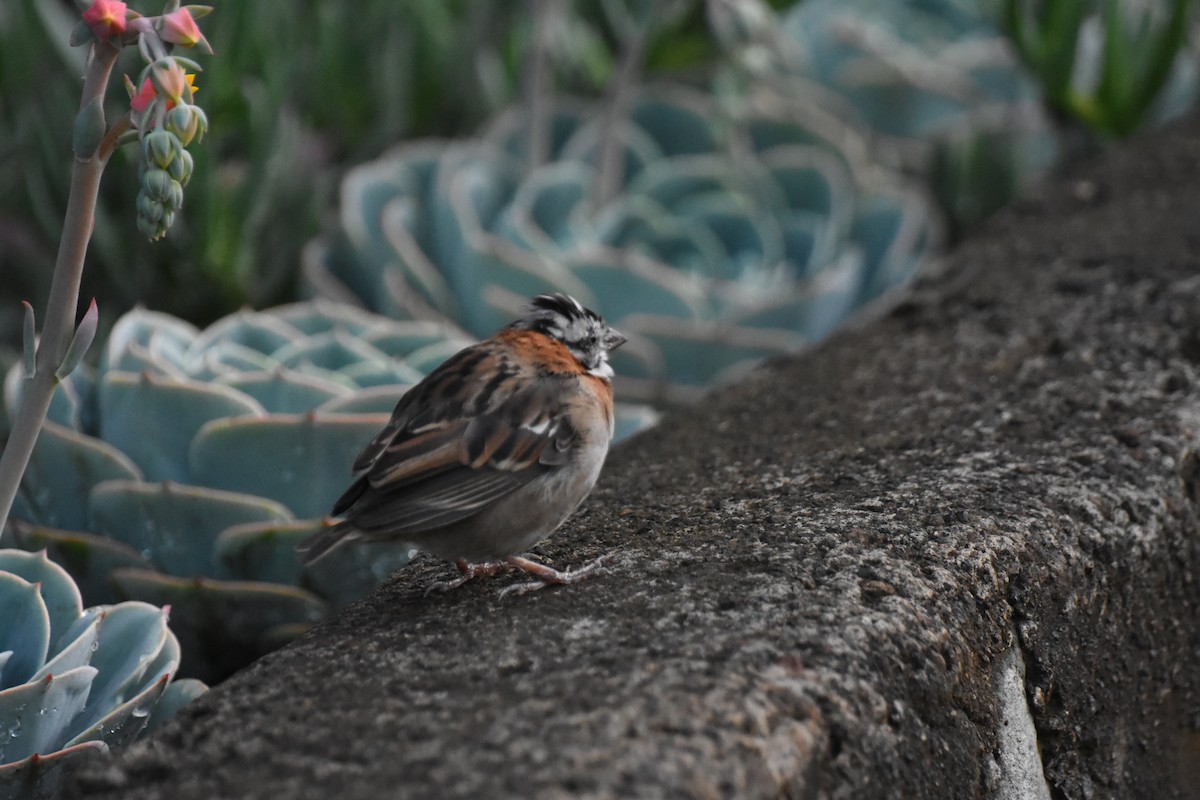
{"x": 179, "y": 27}
{"x": 106, "y": 18}
{"x": 169, "y": 79}
{"x": 144, "y": 96}
{"x": 140, "y": 100}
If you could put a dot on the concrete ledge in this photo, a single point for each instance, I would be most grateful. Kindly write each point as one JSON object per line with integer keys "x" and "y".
{"x": 955, "y": 554}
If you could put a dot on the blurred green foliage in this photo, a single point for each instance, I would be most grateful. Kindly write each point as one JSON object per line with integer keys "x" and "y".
{"x": 300, "y": 90}
{"x": 297, "y": 90}
{"x": 1132, "y": 63}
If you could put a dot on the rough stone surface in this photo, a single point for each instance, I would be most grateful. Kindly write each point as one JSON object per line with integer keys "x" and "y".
{"x": 817, "y": 576}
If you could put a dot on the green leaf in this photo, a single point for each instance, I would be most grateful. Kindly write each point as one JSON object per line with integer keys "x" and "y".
{"x": 80, "y": 342}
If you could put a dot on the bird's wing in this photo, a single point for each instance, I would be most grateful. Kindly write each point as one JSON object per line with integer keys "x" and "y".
{"x": 440, "y": 462}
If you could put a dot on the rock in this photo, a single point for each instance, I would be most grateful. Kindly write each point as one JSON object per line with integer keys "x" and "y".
{"x": 952, "y": 554}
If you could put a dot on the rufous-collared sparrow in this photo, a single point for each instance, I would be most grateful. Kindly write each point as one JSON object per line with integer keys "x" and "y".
{"x": 492, "y": 451}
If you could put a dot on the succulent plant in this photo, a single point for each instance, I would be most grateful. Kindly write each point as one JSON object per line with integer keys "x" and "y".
{"x": 183, "y": 469}
{"x": 937, "y": 85}
{"x": 723, "y": 243}
{"x": 75, "y": 682}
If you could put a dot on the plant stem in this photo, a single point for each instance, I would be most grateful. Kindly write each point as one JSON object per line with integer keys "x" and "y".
{"x": 61, "y": 305}
{"x": 610, "y": 160}
{"x": 537, "y": 80}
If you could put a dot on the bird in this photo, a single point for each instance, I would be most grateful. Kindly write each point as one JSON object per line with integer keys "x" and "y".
{"x": 491, "y": 452}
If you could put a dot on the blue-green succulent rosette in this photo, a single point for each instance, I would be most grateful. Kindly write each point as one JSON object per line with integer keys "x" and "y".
{"x": 185, "y": 466}
{"x": 724, "y": 241}
{"x": 936, "y": 85}
{"x": 75, "y": 682}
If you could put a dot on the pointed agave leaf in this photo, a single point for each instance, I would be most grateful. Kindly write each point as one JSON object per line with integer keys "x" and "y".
{"x": 59, "y": 595}
{"x": 62, "y": 471}
{"x": 24, "y": 629}
{"x": 299, "y": 460}
{"x": 174, "y": 525}
{"x": 153, "y": 420}
{"x": 39, "y": 715}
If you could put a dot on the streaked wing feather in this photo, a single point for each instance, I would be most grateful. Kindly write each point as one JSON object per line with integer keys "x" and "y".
{"x": 441, "y": 500}
{"x": 419, "y": 457}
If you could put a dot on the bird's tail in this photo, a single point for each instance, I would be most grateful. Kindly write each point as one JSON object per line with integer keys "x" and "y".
{"x": 324, "y": 540}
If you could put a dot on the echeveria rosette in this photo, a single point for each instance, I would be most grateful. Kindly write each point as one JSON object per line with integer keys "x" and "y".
{"x": 937, "y": 86}
{"x": 183, "y": 469}
{"x": 724, "y": 242}
{"x": 75, "y": 682}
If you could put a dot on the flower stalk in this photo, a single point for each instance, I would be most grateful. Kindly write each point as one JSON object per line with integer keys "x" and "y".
{"x": 106, "y": 26}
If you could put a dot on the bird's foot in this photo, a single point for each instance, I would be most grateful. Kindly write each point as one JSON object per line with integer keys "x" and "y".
{"x": 469, "y": 571}
{"x": 547, "y": 576}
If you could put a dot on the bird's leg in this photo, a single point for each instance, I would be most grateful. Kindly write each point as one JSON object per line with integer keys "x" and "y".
{"x": 547, "y": 575}
{"x": 468, "y": 571}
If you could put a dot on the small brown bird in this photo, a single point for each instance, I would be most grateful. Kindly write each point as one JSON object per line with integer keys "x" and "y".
{"x": 492, "y": 451}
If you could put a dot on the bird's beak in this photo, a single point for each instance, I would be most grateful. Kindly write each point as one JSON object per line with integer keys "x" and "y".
{"x": 613, "y": 339}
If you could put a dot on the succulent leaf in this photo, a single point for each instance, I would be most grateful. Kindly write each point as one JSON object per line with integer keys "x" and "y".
{"x": 177, "y": 695}
{"x": 59, "y": 594}
{"x": 153, "y": 420}
{"x": 24, "y": 629}
{"x": 311, "y": 454}
{"x": 174, "y": 525}
{"x": 74, "y": 681}
{"x": 222, "y": 624}
{"x": 64, "y": 468}
{"x": 88, "y": 557}
{"x": 41, "y": 711}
